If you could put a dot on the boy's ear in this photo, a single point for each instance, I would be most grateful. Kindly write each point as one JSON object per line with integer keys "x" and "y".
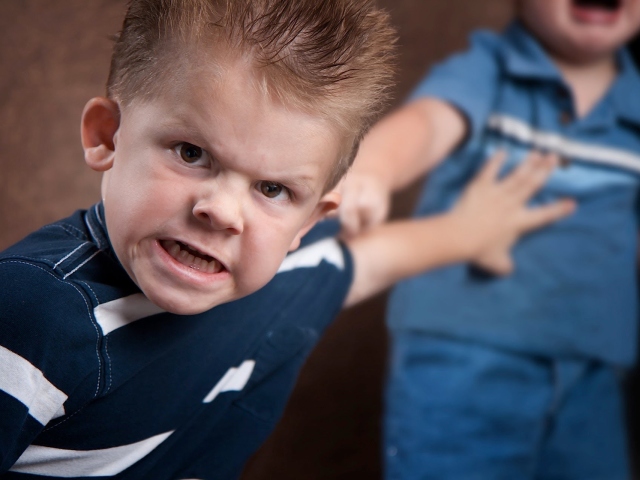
{"x": 100, "y": 122}
{"x": 329, "y": 202}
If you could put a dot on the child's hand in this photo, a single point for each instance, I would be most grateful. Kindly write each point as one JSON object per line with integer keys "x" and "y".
{"x": 494, "y": 214}
{"x": 365, "y": 202}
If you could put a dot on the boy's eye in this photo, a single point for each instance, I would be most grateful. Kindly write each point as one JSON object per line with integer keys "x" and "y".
{"x": 272, "y": 189}
{"x": 190, "y": 153}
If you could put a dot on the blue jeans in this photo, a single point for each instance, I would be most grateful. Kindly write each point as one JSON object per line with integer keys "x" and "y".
{"x": 462, "y": 411}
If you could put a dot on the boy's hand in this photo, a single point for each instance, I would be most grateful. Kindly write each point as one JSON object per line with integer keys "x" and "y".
{"x": 365, "y": 202}
{"x": 492, "y": 214}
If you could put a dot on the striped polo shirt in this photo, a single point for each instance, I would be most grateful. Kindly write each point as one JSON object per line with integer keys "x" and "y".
{"x": 98, "y": 382}
{"x": 573, "y": 292}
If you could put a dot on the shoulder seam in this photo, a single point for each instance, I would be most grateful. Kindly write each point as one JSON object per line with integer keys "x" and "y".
{"x": 89, "y": 312}
{"x": 70, "y": 229}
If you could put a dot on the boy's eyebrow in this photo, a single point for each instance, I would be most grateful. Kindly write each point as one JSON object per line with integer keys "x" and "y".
{"x": 178, "y": 122}
{"x": 300, "y": 180}
{"x": 304, "y": 182}
{"x": 296, "y": 180}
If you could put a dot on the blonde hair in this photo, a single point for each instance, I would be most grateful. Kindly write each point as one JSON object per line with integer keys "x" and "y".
{"x": 331, "y": 57}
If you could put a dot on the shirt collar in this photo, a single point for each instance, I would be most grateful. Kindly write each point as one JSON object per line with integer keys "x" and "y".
{"x": 625, "y": 92}
{"x": 96, "y": 224}
{"x": 524, "y": 56}
{"x": 115, "y": 275}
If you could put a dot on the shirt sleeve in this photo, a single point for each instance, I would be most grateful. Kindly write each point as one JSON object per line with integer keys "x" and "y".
{"x": 468, "y": 80}
{"x": 37, "y": 350}
{"x": 321, "y": 272}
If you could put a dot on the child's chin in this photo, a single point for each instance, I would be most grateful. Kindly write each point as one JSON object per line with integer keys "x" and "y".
{"x": 182, "y": 306}
{"x": 189, "y": 310}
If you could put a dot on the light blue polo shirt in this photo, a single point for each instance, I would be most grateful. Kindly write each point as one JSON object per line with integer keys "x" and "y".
{"x": 574, "y": 289}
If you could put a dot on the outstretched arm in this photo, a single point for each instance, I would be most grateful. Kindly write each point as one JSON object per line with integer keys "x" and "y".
{"x": 481, "y": 228}
{"x": 399, "y": 149}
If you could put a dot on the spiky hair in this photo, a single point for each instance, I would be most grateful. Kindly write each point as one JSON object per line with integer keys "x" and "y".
{"x": 334, "y": 58}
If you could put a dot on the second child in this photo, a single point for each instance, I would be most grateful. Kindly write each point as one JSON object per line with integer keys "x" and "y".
{"x": 517, "y": 377}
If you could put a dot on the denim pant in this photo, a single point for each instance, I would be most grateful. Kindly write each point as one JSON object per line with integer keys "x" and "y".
{"x": 462, "y": 411}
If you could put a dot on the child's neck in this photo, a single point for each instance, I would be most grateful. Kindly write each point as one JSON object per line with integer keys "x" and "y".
{"x": 589, "y": 81}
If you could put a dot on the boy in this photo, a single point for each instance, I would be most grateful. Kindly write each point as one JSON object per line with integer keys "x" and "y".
{"x": 226, "y": 127}
{"x": 541, "y": 348}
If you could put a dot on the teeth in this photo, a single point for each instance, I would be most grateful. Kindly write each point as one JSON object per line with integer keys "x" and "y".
{"x": 173, "y": 248}
{"x": 184, "y": 257}
{"x": 212, "y": 267}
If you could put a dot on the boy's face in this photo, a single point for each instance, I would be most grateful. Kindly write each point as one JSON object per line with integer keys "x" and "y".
{"x": 207, "y": 187}
{"x": 580, "y": 31}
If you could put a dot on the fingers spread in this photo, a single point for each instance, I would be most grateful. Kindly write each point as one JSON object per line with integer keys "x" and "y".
{"x": 491, "y": 169}
{"x": 541, "y": 216}
{"x": 540, "y": 170}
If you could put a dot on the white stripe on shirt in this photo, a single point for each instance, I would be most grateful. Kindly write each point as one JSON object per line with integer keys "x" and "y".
{"x": 563, "y": 146}
{"x": 312, "y": 255}
{"x": 23, "y": 381}
{"x": 123, "y": 311}
{"x": 234, "y": 380}
{"x": 57, "y": 462}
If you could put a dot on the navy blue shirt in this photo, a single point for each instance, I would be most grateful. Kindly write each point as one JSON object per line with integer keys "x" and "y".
{"x": 573, "y": 292}
{"x": 98, "y": 382}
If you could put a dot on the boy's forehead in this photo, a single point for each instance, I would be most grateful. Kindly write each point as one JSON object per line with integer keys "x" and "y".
{"x": 233, "y": 77}
{"x": 226, "y": 106}
{"x": 206, "y": 70}
{"x": 207, "y": 89}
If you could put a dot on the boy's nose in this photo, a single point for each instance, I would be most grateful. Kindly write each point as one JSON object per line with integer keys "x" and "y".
{"x": 222, "y": 211}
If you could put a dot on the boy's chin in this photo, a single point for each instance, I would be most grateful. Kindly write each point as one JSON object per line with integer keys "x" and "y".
{"x": 188, "y": 309}
{"x": 591, "y": 50}
{"x": 185, "y": 305}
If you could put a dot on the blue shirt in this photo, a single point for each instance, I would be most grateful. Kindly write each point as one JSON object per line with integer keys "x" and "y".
{"x": 574, "y": 289}
{"x": 96, "y": 381}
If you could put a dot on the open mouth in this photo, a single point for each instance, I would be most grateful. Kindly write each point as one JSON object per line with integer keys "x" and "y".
{"x": 607, "y": 5}
{"x": 190, "y": 257}
{"x": 599, "y": 12}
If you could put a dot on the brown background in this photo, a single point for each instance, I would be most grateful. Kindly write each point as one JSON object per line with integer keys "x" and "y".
{"x": 54, "y": 56}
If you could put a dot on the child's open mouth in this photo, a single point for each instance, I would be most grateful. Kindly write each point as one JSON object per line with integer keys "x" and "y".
{"x": 596, "y": 11}
{"x": 610, "y": 5}
{"x": 190, "y": 257}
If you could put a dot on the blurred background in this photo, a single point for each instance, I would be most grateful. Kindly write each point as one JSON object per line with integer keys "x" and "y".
{"x": 54, "y": 56}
